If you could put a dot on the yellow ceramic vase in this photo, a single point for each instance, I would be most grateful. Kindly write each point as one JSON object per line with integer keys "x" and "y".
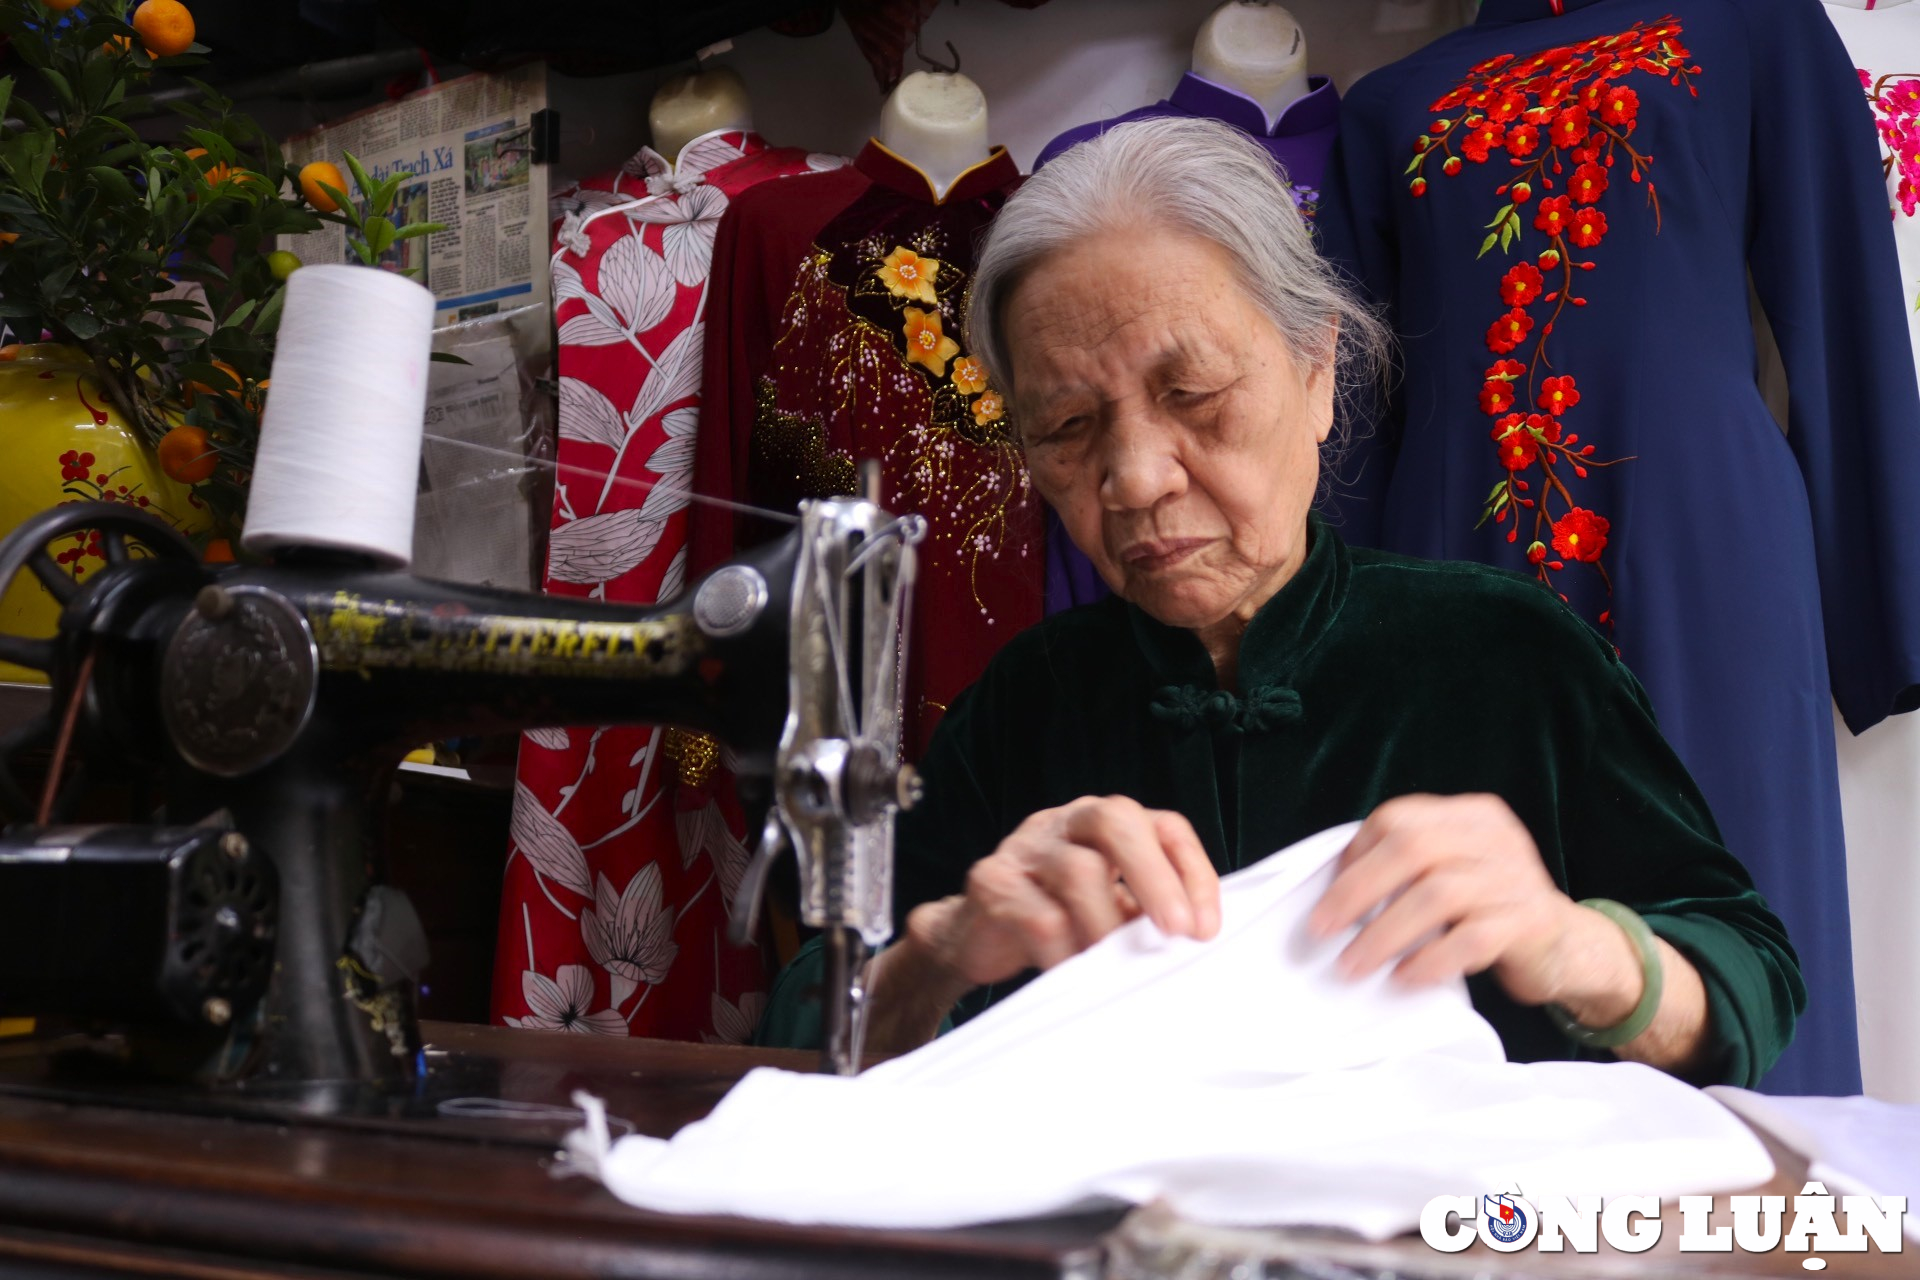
{"x": 65, "y": 443}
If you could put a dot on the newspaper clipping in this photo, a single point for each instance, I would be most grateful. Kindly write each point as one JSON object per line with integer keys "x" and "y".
{"x": 469, "y": 145}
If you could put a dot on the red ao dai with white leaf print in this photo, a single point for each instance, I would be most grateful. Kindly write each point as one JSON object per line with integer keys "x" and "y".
{"x": 627, "y": 843}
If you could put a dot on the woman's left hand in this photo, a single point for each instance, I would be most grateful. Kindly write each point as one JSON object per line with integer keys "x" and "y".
{"x": 1464, "y": 890}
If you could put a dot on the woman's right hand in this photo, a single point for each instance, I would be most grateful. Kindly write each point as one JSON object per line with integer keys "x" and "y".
{"x": 1065, "y": 879}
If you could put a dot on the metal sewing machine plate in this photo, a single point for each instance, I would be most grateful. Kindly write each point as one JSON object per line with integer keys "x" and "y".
{"x": 239, "y": 680}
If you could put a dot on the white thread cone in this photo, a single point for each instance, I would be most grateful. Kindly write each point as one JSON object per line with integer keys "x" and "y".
{"x": 339, "y": 457}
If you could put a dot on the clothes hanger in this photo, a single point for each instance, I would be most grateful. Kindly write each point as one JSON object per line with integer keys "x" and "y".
{"x": 933, "y": 64}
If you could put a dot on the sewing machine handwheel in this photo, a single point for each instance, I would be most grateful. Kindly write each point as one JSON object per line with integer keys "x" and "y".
{"x": 29, "y": 548}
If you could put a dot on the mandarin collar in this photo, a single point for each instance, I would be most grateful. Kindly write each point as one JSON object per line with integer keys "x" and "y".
{"x": 1317, "y": 108}
{"x": 1527, "y": 10}
{"x": 896, "y": 173}
{"x": 706, "y": 152}
{"x": 1282, "y": 633}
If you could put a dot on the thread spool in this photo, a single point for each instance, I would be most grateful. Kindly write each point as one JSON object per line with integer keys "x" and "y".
{"x": 339, "y": 457}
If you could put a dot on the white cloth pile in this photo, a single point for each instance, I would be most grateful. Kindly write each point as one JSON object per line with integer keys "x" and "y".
{"x": 1854, "y": 1146}
{"x": 1237, "y": 1079}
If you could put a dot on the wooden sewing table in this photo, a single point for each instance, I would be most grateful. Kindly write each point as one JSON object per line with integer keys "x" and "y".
{"x": 93, "y": 1190}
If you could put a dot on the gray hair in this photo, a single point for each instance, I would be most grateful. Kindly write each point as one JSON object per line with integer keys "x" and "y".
{"x": 1203, "y": 178}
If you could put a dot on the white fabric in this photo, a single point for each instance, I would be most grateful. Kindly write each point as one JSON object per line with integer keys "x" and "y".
{"x": 1237, "y": 1079}
{"x": 1880, "y": 770}
{"x": 1856, "y": 1146}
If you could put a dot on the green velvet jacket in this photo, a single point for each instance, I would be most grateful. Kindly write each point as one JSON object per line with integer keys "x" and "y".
{"x": 1368, "y": 676}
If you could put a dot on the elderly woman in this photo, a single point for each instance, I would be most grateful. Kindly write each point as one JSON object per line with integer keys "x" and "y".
{"x": 1173, "y": 349}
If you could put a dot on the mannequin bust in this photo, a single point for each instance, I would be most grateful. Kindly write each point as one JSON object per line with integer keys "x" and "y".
{"x": 684, "y": 107}
{"x": 1256, "y": 49}
{"x": 937, "y": 120}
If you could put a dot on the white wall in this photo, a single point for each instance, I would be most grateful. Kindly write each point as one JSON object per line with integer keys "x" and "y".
{"x": 1043, "y": 70}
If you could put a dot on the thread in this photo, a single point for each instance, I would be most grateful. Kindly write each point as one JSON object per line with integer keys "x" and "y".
{"x": 339, "y": 457}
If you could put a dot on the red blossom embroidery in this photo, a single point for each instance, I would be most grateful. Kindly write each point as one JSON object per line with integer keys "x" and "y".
{"x": 1521, "y": 285}
{"x": 1518, "y": 448}
{"x": 1509, "y": 331}
{"x": 1545, "y": 114}
{"x": 1581, "y": 535}
{"x": 1589, "y": 226}
{"x": 1570, "y": 127}
{"x": 1480, "y": 142}
{"x": 1509, "y": 106}
{"x": 1620, "y": 106}
{"x": 1588, "y": 184}
{"x": 1557, "y": 395}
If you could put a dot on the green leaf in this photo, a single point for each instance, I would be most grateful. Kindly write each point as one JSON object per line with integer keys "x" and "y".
{"x": 340, "y": 198}
{"x": 1415, "y": 163}
{"x": 210, "y": 375}
{"x": 80, "y": 324}
{"x": 122, "y": 154}
{"x": 237, "y": 347}
{"x": 1493, "y": 238}
{"x": 53, "y": 285}
{"x": 240, "y": 313}
{"x": 6, "y": 93}
{"x": 1502, "y": 216}
{"x": 97, "y": 79}
{"x": 268, "y": 319}
{"x": 1507, "y": 234}
{"x": 216, "y": 145}
{"x": 447, "y": 357}
{"x": 379, "y": 233}
{"x": 62, "y": 87}
{"x": 360, "y": 177}
{"x": 178, "y": 307}
{"x": 83, "y": 205}
{"x": 414, "y": 229}
{"x": 378, "y": 197}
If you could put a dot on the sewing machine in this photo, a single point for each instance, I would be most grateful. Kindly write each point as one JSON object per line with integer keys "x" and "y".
{"x": 245, "y": 945}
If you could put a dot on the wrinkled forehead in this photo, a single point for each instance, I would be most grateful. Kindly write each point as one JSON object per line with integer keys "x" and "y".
{"x": 1104, "y": 315}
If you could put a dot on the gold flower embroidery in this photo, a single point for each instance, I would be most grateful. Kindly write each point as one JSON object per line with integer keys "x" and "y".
{"x": 908, "y": 275}
{"x": 988, "y": 408}
{"x": 969, "y": 376}
{"x": 926, "y": 344}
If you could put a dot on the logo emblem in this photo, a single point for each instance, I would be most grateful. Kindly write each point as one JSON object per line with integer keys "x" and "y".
{"x": 1506, "y": 1219}
{"x": 1507, "y": 1222}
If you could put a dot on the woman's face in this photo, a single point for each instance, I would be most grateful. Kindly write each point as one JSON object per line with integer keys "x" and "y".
{"x": 1167, "y": 422}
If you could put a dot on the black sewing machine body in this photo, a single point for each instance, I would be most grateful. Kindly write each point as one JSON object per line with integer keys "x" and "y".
{"x": 270, "y": 705}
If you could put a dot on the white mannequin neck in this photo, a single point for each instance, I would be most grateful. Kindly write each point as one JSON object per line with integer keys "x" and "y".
{"x": 685, "y": 107}
{"x": 937, "y": 121}
{"x": 1256, "y": 49}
